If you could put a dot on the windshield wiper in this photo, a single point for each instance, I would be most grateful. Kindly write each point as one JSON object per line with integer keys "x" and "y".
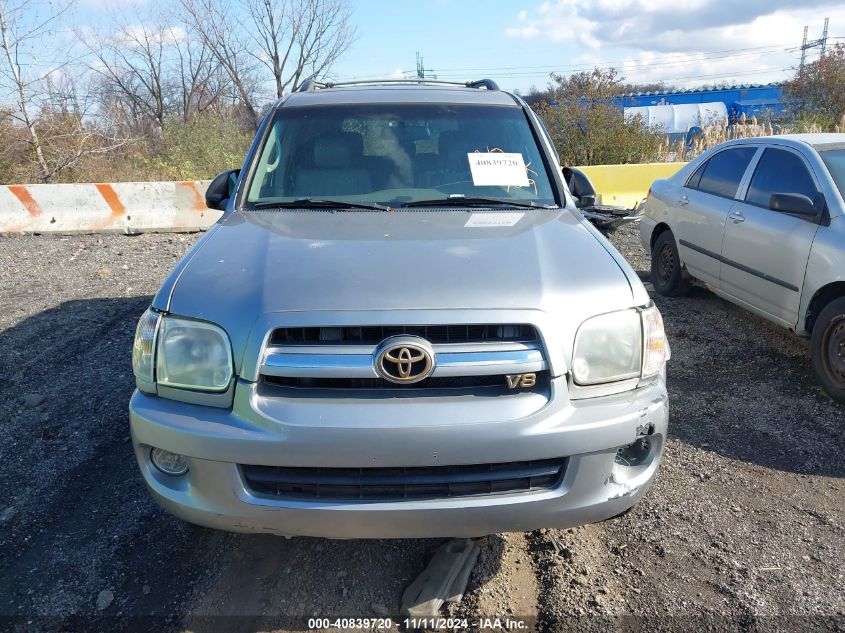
{"x": 320, "y": 203}
{"x": 476, "y": 201}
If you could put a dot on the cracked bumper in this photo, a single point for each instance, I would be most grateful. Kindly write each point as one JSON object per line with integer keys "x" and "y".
{"x": 588, "y": 432}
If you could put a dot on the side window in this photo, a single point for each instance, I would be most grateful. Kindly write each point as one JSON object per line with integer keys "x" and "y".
{"x": 779, "y": 171}
{"x": 725, "y": 170}
{"x": 695, "y": 179}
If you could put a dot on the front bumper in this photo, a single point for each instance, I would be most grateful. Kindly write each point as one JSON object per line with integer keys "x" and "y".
{"x": 588, "y": 432}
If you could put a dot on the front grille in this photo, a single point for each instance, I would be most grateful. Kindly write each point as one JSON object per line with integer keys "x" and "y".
{"x": 398, "y": 484}
{"x": 435, "y": 334}
{"x": 451, "y": 382}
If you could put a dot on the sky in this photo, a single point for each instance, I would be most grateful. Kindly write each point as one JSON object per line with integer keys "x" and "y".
{"x": 682, "y": 42}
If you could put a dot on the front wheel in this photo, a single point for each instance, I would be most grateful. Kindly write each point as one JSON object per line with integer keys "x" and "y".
{"x": 667, "y": 275}
{"x": 827, "y": 349}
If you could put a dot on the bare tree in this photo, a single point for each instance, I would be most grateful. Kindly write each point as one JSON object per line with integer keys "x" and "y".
{"x": 131, "y": 63}
{"x": 152, "y": 68}
{"x": 17, "y": 41}
{"x": 201, "y": 83}
{"x": 212, "y": 21}
{"x": 293, "y": 39}
{"x": 48, "y": 100}
{"x": 299, "y": 39}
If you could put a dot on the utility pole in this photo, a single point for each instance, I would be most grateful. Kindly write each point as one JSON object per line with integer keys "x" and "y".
{"x": 803, "y": 51}
{"x": 420, "y": 67}
{"x": 819, "y": 43}
{"x": 824, "y": 35}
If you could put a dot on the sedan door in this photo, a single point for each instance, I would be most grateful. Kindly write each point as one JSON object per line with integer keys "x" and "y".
{"x": 702, "y": 208}
{"x": 765, "y": 252}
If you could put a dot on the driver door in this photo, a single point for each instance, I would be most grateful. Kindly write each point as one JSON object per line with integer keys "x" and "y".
{"x": 765, "y": 252}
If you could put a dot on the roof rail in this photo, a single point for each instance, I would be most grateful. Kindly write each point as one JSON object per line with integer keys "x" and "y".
{"x": 311, "y": 84}
{"x": 486, "y": 83}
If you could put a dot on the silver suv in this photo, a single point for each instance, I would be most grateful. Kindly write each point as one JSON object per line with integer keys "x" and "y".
{"x": 400, "y": 327}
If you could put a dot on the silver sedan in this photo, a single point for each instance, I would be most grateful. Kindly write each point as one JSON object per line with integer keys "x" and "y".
{"x": 760, "y": 222}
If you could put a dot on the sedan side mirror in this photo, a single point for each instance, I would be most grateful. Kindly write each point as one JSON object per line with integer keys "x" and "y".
{"x": 221, "y": 189}
{"x": 796, "y": 204}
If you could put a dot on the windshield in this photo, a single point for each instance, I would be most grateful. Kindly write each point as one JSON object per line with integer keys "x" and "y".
{"x": 396, "y": 154}
{"x": 835, "y": 161}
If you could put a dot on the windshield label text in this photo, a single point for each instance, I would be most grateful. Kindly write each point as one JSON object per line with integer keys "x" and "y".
{"x": 497, "y": 169}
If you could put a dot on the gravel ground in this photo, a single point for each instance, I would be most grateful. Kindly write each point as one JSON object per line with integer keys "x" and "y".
{"x": 743, "y": 528}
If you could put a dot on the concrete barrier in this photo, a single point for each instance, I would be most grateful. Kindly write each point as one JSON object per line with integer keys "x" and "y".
{"x": 626, "y": 185}
{"x": 135, "y": 207}
{"x": 127, "y": 207}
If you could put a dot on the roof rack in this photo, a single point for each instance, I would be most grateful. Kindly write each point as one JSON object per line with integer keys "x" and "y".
{"x": 311, "y": 84}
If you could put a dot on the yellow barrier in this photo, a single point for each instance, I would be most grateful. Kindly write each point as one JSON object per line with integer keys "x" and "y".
{"x": 626, "y": 185}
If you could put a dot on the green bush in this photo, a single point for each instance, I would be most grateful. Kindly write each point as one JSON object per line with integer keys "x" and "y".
{"x": 588, "y": 130}
{"x": 198, "y": 149}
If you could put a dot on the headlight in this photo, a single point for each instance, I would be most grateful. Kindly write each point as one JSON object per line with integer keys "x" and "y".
{"x": 619, "y": 346}
{"x": 193, "y": 355}
{"x": 143, "y": 350}
{"x": 608, "y": 347}
{"x": 655, "y": 346}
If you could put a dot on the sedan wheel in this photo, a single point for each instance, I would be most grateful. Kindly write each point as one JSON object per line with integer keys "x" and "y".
{"x": 828, "y": 349}
{"x": 666, "y": 271}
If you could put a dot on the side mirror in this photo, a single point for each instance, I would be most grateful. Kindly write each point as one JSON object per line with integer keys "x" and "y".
{"x": 586, "y": 201}
{"x": 221, "y": 189}
{"x": 795, "y": 204}
{"x": 580, "y": 187}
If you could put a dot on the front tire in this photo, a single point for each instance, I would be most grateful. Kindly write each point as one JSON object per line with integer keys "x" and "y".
{"x": 667, "y": 275}
{"x": 827, "y": 348}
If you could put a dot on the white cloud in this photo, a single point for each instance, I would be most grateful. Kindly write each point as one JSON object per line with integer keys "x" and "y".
{"x": 560, "y": 21}
{"x": 682, "y": 41}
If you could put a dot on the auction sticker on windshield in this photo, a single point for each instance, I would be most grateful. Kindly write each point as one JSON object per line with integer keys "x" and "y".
{"x": 497, "y": 169}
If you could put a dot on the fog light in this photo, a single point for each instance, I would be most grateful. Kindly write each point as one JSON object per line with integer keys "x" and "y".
{"x": 634, "y": 454}
{"x": 169, "y": 463}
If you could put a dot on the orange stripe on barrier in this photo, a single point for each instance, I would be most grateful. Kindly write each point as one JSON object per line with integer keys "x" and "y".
{"x": 116, "y": 206}
{"x": 109, "y": 195}
{"x": 199, "y": 201}
{"x": 22, "y": 194}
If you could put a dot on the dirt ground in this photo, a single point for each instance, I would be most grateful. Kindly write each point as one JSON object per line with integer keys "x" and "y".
{"x": 744, "y": 528}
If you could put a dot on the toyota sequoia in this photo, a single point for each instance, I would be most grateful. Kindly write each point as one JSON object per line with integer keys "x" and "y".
{"x": 401, "y": 326}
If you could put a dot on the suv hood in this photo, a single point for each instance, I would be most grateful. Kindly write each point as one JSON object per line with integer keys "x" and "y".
{"x": 259, "y": 262}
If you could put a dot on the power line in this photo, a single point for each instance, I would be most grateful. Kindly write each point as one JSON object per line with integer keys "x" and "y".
{"x": 628, "y": 66}
{"x": 516, "y": 75}
{"x": 633, "y": 66}
{"x": 738, "y": 52}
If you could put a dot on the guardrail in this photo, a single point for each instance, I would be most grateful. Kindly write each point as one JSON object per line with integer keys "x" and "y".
{"x": 126, "y": 207}
{"x": 626, "y": 185}
{"x": 136, "y": 207}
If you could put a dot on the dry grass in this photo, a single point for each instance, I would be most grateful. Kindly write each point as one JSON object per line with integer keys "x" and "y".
{"x": 721, "y": 131}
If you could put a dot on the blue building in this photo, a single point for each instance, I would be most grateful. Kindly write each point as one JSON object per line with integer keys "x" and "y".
{"x": 751, "y": 99}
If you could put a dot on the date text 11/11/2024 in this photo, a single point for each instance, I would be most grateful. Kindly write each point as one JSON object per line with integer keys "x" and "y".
{"x": 421, "y": 623}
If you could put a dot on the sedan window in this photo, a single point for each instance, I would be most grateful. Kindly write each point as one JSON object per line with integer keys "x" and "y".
{"x": 779, "y": 171}
{"x": 834, "y": 159}
{"x": 695, "y": 179}
{"x": 725, "y": 170}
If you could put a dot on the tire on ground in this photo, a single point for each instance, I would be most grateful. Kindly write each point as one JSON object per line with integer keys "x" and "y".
{"x": 667, "y": 275}
{"x": 827, "y": 348}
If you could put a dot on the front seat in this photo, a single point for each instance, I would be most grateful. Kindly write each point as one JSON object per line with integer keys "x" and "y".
{"x": 451, "y": 166}
{"x": 336, "y": 171}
